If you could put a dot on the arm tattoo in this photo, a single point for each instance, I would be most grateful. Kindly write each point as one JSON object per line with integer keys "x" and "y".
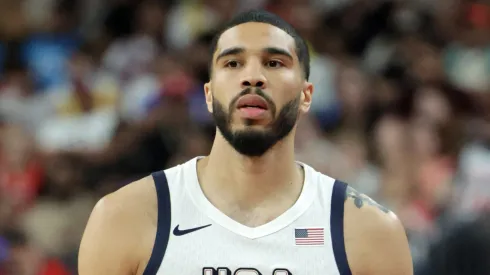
{"x": 360, "y": 199}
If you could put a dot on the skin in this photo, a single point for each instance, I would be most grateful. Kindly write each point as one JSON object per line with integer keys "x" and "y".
{"x": 372, "y": 233}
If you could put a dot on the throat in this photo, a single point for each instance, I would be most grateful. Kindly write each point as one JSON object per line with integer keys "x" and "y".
{"x": 251, "y": 189}
{"x": 251, "y": 197}
{"x": 259, "y": 206}
{"x": 254, "y": 195}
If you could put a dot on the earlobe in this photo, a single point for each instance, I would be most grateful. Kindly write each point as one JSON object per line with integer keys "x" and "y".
{"x": 209, "y": 96}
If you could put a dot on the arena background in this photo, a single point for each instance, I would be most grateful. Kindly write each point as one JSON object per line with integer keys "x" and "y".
{"x": 97, "y": 93}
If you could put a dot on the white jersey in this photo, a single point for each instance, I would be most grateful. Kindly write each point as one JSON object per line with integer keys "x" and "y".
{"x": 195, "y": 238}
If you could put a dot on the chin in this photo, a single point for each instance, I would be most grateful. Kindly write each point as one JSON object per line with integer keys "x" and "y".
{"x": 252, "y": 123}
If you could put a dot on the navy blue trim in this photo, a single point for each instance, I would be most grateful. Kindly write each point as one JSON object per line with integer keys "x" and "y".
{"x": 163, "y": 223}
{"x": 337, "y": 227}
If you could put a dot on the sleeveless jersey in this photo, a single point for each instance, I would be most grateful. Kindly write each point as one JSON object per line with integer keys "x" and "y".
{"x": 195, "y": 238}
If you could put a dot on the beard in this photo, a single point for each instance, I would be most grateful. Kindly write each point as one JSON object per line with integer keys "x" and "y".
{"x": 256, "y": 142}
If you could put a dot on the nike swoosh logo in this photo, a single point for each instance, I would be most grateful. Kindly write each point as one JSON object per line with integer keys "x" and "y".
{"x": 178, "y": 232}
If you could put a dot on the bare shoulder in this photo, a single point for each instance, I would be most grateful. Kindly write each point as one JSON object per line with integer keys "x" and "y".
{"x": 119, "y": 235}
{"x": 375, "y": 239}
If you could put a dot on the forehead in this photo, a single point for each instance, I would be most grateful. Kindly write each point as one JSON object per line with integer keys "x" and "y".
{"x": 256, "y": 36}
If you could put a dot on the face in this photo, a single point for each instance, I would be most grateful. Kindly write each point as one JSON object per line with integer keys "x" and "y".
{"x": 391, "y": 141}
{"x": 257, "y": 89}
{"x": 431, "y": 105}
{"x": 352, "y": 90}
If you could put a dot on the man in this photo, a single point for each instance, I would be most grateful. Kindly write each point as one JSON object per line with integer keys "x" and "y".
{"x": 248, "y": 207}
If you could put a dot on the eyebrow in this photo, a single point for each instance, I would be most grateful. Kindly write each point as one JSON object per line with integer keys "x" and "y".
{"x": 230, "y": 51}
{"x": 269, "y": 50}
{"x": 278, "y": 51}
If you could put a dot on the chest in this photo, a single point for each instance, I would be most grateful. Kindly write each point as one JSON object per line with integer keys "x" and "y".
{"x": 214, "y": 250}
{"x": 208, "y": 240}
{"x": 203, "y": 245}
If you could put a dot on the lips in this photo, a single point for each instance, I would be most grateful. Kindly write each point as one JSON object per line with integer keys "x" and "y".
{"x": 252, "y": 101}
{"x": 252, "y": 107}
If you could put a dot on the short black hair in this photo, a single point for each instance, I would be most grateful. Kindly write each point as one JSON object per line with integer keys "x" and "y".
{"x": 262, "y": 16}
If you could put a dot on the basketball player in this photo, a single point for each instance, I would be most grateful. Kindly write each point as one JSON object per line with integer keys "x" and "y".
{"x": 249, "y": 207}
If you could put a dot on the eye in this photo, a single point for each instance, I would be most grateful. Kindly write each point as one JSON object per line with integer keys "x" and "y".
{"x": 274, "y": 64}
{"x": 232, "y": 64}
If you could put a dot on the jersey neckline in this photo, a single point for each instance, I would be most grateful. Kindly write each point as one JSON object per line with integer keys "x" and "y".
{"x": 304, "y": 201}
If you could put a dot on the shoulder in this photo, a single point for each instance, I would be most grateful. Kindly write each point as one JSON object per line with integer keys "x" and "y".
{"x": 372, "y": 235}
{"x": 129, "y": 202}
{"x": 121, "y": 230}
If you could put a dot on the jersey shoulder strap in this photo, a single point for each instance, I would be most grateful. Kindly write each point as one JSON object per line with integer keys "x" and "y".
{"x": 337, "y": 227}
{"x": 163, "y": 223}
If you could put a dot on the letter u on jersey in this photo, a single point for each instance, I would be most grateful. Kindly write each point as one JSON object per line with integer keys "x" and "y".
{"x": 241, "y": 271}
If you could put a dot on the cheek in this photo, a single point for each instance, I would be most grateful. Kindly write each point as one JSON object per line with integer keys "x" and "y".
{"x": 220, "y": 95}
{"x": 219, "y": 106}
{"x": 286, "y": 88}
{"x": 224, "y": 87}
{"x": 221, "y": 101}
{"x": 286, "y": 78}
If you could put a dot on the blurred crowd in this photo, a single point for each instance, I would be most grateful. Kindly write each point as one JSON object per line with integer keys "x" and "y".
{"x": 95, "y": 94}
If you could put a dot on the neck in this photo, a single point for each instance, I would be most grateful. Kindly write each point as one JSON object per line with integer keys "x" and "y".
{"x": 250, "y": 181}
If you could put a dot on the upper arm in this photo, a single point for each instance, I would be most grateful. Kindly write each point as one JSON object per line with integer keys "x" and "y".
{"x": 375, "y": 239}
{"x": 120, "y": 233}
{"x": 102, "y": 250}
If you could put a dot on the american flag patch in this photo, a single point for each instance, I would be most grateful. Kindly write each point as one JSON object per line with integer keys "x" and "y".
{"x": 309, "y": 236}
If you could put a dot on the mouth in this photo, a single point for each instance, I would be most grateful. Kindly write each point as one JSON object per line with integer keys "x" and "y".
{"x": 252, "y": 101}
{"x": 252, "y": 107}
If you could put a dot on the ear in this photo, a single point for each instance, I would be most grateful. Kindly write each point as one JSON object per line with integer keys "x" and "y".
{"x": 306, "y": 97}
{"x": 209, "y": 96}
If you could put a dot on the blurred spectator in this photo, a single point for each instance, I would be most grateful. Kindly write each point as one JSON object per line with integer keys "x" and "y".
{"x": 25, "y": 259}
{"x": 19, "y": 103}
{"x": 46, "y": 52}
{"x": 131, "y": 53}
{"x": 188, "y": 19}
{"x": 395, "y": 160}
{"x": 21, "y": 174}
{"x": 87, "y": 100}
{"x": 467, "y": 60}
{"x": 463, "y": 250}
{"x": 474, "y": 173}
{"x": 63, "y": 208}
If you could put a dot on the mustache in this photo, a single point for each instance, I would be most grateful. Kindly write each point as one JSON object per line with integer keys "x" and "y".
{"x": 256, "y": 91}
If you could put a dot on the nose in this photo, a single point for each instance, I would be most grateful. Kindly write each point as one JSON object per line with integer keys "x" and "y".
{"x": 253, "y": 78}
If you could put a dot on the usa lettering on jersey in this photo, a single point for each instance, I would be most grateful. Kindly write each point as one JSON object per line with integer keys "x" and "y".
{"x": 241, "y": 271}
